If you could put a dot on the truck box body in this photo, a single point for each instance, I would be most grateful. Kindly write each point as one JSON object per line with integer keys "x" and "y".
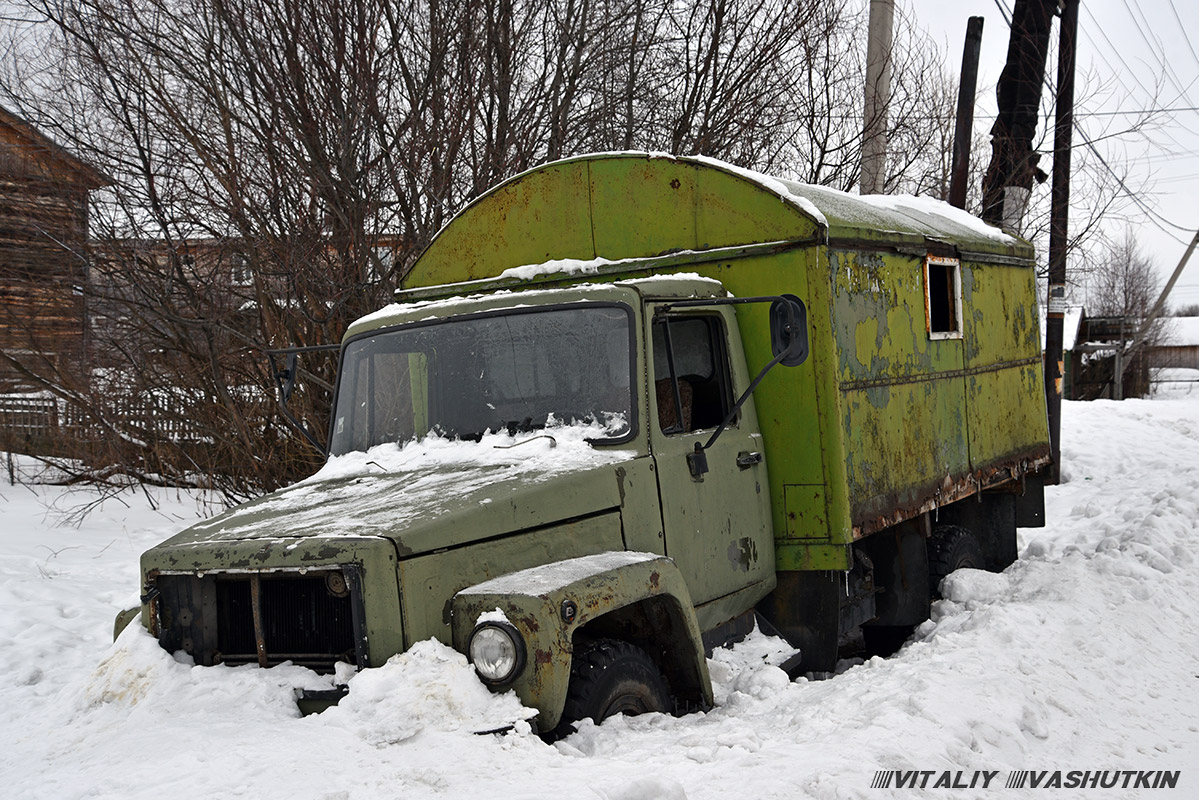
{"x": 890, "y": 417}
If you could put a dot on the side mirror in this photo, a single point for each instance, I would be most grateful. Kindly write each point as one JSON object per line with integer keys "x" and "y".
{"x": 789, "y": 330}
{"x": 288, "y": 377}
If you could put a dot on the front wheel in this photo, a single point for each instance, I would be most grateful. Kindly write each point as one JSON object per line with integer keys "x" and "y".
{"x": 610, "y": 677}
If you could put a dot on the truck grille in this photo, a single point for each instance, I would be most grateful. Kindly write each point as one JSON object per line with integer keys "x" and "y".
{"x": 314, "y": 619}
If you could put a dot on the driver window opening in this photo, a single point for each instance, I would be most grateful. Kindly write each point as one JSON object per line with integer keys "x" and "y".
{"x": 701, "y": 370}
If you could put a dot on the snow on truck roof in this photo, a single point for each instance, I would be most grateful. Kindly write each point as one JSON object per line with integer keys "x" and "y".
{"x": 900, "y": 213}
{"x": 635, "y": 214}
{"x": 845, "y": 215}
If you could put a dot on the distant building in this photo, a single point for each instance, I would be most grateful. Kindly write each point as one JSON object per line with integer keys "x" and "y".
{"x": 44, "y": 192}
{"x": 1073, "y": 324}
{"x": 1181, "y": 348}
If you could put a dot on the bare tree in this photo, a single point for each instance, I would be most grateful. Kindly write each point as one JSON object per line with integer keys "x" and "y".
{"x": 276, "y": 165}
{"x": 1122, "y": 284}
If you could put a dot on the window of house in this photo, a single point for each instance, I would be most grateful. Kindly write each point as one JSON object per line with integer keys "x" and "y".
{"x": 943, "y": 297}
{"x": 381, "y": 263}
{"x": 700, "y": 382}
{"x": 240, "y": 270}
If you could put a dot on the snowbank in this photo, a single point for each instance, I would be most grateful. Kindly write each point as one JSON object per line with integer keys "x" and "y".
{"x": 1081, "y": 656}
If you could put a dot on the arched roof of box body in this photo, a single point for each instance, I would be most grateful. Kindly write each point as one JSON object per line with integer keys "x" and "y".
{"x": 606, "y": 207}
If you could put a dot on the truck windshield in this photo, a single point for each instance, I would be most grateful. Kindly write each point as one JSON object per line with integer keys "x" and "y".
{"x": 513, "y": 371}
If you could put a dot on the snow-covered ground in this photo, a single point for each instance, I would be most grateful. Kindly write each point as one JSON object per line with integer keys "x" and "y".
{"x": 1082, "y": 656}
{"x": 1175, "y": 382}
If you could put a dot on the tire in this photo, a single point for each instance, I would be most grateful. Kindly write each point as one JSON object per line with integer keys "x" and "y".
{"x": 951, "y": 547}
{"x": 610, "y": 677}
{"x": 885, "y": 640}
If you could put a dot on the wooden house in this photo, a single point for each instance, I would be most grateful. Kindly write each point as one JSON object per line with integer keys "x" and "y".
{"x": 1180, "y": 350}
{"x": 44, "y": 193}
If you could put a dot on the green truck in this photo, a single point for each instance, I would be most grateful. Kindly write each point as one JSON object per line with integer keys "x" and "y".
{"x": 626, "y": 407}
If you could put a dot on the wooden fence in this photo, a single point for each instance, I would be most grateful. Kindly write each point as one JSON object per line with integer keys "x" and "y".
{"x": 45, "y": 426}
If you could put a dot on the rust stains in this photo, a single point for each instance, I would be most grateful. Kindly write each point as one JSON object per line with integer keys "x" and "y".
{"x": 949, "y": 490}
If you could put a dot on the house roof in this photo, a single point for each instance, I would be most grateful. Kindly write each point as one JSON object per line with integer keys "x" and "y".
{"x": 1184, "y": 332}
{"x": 1070, "y": 327}
{"x": 35, "y": 145}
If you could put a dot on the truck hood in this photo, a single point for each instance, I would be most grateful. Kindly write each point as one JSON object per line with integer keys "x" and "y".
{"x": 428, "y": 495}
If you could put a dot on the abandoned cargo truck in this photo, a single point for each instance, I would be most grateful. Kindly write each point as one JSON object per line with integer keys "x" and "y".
{"x": 626, "y": 406}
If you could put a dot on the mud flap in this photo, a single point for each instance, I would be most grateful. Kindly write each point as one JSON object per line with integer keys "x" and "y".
{"x": 805, "y": 608}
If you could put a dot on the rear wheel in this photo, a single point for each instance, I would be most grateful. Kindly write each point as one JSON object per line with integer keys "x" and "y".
{"x": 612, "y": 677}
{"x": 885, "y": 640}
{"x": 951, "y": 547}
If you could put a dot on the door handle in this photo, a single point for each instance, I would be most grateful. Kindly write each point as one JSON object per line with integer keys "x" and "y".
{"x": 746, "y": 459}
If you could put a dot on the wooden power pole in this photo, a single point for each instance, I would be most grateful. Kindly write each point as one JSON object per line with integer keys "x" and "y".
{"x": 1059, "y": 217}
{"x": 1013, "y": 167}
{"x": 878, "y": 96}
{"x": 963, "y": 129}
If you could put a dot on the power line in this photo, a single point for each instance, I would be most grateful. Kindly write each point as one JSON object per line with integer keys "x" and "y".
{"x": 1160, "y": 110}
{"x": 1157, "y": 219}
{"x": 1185, "y": 35}
{"x": 1156, "y": 50}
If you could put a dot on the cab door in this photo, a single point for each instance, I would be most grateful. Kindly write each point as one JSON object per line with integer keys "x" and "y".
{"x": 717, "y": 525}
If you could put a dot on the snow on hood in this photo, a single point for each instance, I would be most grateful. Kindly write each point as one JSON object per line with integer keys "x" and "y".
{"x": 556, "y": 449}
{"x": 391, "y": 486}
{"x": 540, "y": 580}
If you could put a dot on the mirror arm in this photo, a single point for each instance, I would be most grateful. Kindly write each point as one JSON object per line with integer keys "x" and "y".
{"x": 741, "y": 400}
{"x": 285, "y": 382}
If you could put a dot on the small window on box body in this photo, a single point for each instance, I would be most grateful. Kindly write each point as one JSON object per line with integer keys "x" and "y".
{"x": 943, "y": 297}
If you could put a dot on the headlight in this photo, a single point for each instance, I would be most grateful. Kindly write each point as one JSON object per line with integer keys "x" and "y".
{"x": 498, "y": 652}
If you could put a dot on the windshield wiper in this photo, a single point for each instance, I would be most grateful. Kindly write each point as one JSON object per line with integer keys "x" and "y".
{"x": 553, "y": 442}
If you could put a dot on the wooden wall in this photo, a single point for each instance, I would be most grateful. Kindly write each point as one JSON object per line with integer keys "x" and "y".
{"x": 43, "y": 235}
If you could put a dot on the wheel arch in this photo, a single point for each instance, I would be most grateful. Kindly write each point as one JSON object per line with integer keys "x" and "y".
{"x": 658, "y": 625}
{"x": 606, "y": 595}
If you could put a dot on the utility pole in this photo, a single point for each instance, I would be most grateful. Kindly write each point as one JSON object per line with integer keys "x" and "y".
{"x": 1118, "y": 369}
{"x": 963, "y": 129}
{"x": 1059, "y": 214}
{"x": 878, "y": 96}
{"x": 1013, "y": 166}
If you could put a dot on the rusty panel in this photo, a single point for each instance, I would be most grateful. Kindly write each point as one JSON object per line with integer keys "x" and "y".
{"x": 642, "y": 207}
{"x": 731, "y": 210}
{"x": 902, "y": 392}
{"x": 905, "y": 443}
{"x": 805, "y": 513}
{"x": 1005, "y": 386}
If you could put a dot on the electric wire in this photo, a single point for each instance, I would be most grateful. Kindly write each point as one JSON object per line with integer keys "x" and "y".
{"x": 1183, "y": 29}
{"x": 1157, "y": 219}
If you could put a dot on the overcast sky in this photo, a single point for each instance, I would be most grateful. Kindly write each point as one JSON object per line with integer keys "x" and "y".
{"x": 1132, "y": 55}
